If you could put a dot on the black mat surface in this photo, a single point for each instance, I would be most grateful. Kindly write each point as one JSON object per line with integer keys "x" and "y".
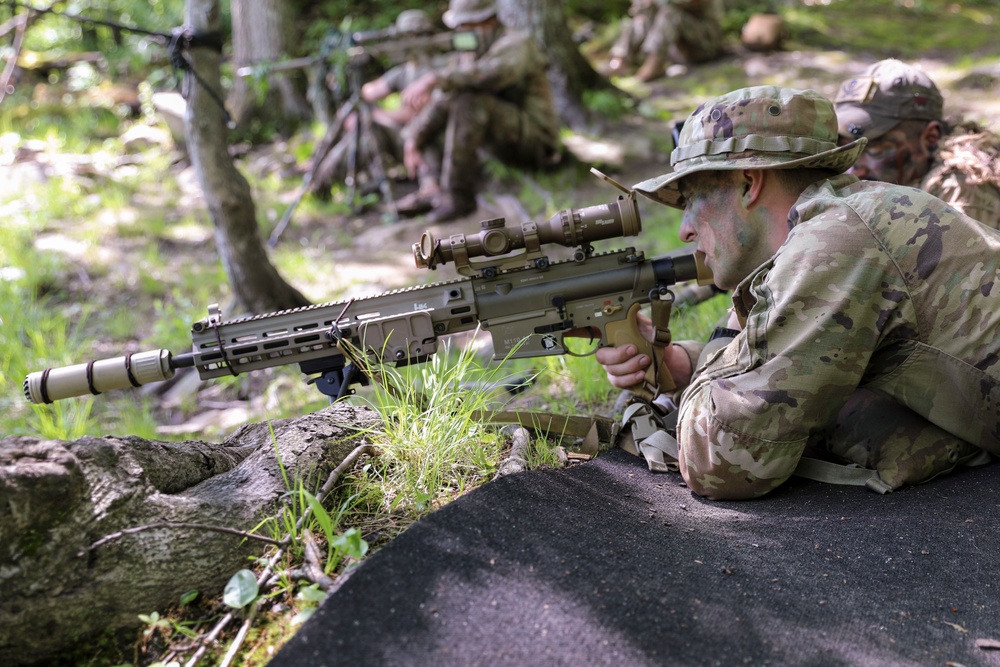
{"x": 606, "y": 563}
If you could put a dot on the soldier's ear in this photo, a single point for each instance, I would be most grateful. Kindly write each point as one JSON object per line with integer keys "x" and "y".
{"x": 751, "y": 186}
{"x": 931, "y": 134}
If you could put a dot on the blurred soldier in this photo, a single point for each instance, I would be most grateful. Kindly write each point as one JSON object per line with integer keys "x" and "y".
{"x": 661, "y": 32}
{"x": 899, "y": 110}
{"x": 496, "y": 97}
{"x": 386, "y": 123}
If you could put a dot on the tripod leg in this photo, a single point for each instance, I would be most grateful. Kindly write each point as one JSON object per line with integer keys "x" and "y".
{"x": 322, "y": 150}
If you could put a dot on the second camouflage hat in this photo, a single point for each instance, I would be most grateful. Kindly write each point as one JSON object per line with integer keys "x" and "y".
{"x": 462, "y": 12}
{"x": 885, "y": 94}
{"x": 762, "y": 127}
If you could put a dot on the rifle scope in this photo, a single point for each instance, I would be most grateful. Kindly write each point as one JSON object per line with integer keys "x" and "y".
{"x": 569, "y": 227}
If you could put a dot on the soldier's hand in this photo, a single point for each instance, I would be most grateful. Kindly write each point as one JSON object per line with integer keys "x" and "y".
{"x": 412, "y": 159}
{"x": 623, "y": 365}
{"x": 416, "y": 95}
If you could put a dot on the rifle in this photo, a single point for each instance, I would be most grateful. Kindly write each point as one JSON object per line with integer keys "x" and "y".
{"x": 360, "y": 47}
{"x": 528, "y": 303}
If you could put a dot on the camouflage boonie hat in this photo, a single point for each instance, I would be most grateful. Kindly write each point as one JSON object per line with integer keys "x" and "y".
{"x": 762, "y": 127}
{"x": 884, "y": 95}
{"x": 413, "y": 21}
{"x": 461, "y": 12}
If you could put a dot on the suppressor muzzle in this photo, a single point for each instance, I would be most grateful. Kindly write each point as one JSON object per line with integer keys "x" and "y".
{"x": 95, "y": 377}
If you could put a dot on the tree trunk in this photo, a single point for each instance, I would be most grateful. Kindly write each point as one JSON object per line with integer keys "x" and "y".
{"x": 262, "y": 31}
{"x": 58, "y": 498}
{"x": 569, "y": 72}
{"x": 256, "y": 284}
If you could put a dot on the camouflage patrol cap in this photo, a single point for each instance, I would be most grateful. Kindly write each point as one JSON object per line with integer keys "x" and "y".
{"x": 884, "y": 95}
{"x": 762, "y": 127}
{"x": 413, "y": 21}
{"x": 461, "y": 12}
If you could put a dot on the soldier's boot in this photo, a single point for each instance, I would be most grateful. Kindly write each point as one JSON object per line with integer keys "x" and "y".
{"x": 416, "y": 203}
{"x": 653, "y": 68}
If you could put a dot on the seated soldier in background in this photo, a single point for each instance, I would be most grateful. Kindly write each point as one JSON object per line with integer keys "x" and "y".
{"x": 899, "y": 110}
{"x": 658, "y": 33}
{"x": 496, "y": 97}
{"x": 386, "y": 123}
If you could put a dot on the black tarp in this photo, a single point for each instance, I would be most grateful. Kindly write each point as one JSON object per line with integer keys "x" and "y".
{"x": 605, "y": 563}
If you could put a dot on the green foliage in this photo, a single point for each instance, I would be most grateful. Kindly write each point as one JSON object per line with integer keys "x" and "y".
{"x": 609, "y": 104}
{"x": 434, "y": 447}
{"x": 241, "y": 589}
{"x": 913, "y": 29}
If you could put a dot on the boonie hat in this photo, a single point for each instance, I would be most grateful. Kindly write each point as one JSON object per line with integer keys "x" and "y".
{"x": 761, "y": 127}
{"x": 413, "y": 21}
{"x": 885, "y": 94}
{"x": 461, "y": 12}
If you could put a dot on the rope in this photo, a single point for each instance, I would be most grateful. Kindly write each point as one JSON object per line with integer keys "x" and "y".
{"x": 178, "y": 42}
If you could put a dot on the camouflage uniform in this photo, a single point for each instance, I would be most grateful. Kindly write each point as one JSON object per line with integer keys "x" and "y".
{"x": 497, "y": 97}
{"x": 878, "y": 288}
{"x": 684, "y": 31}
{"x": 965, "y": 171}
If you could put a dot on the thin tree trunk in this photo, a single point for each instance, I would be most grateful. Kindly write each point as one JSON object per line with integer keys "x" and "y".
{"x": 262, "y": 31}
{"x": 256, "y": 284}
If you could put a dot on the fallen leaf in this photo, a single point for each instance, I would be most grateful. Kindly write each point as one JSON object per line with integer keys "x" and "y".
{"x": 956, "y": 626}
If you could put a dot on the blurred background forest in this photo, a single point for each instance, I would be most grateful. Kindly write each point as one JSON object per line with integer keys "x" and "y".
{"x": 107, "y": 245}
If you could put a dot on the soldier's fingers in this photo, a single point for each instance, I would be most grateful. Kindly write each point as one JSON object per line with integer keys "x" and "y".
{"x": 610, "y": 356}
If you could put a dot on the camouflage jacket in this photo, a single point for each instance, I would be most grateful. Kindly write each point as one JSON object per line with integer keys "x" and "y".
{"x": 877, "y": 286}
{"x": 510, "y": 66}
{"x": 966, "y": 174}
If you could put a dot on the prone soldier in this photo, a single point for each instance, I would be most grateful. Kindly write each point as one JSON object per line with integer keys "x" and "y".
{"x": 899, "y": 110}
{"x": 866, "y": 313}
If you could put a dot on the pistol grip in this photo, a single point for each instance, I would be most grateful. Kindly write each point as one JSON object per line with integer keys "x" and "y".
{"x": 626, "y": 330}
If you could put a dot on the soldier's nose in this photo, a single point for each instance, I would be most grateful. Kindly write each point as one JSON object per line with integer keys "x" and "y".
{"x": 687, "y": 232}
{"x": 859, "y": 170}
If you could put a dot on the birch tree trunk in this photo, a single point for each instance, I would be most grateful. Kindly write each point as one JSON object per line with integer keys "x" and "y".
{"x": 256, "y": 284}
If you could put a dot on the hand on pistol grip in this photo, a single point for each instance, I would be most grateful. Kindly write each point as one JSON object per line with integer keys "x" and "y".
{"x": 629, "y": 330}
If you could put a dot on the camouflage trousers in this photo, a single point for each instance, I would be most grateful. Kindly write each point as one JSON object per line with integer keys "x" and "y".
{"x": 878, "y": 433}
{"x": 481, "y": 120}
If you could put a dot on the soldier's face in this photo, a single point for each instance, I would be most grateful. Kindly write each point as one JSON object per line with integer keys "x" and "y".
{"x": 893, "y": 158}
{"x": 718, "y": 225}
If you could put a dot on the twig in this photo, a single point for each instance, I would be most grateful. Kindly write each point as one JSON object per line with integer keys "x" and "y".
{"x": 198, "y": 526}
{"x": 264, "y": 579}
{"x": 312, "y": 568}
{"x": 11, "y": 65}
{"x": 240, "y": 637}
